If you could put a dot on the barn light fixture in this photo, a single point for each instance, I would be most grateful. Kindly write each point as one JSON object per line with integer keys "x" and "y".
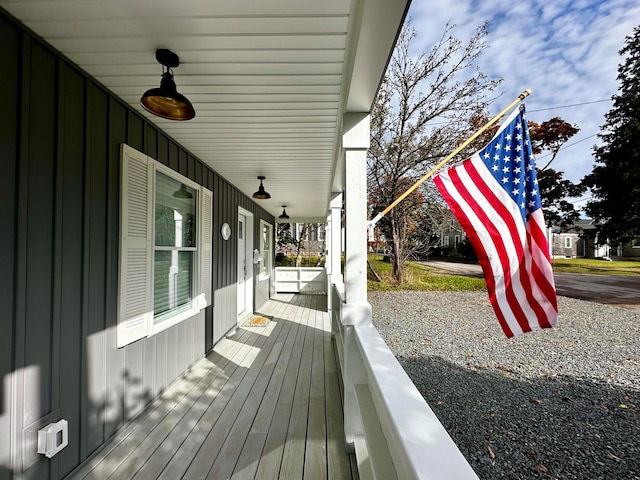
{"x": 165, "y": 101}
{"x": 284, "y": 215}
{"x": 261, "y": 194}
{"x": 183, "y": 192}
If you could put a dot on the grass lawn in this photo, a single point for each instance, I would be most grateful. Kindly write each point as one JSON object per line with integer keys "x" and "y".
{"x": 419, "y": 277}
{"x": 595, "y": 267}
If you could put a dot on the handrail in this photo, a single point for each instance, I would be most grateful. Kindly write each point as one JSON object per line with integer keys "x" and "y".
{"x": 413, "y": 437}
{"x": 337, "y": 300}
{"x": 418, "y": 443}
{"x": 301, "y": 279}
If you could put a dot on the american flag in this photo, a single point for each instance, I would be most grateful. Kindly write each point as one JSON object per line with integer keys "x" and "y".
{"x": 494, "y": 195}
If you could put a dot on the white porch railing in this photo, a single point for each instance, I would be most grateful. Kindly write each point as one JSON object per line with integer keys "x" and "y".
{"x": 301, "y": 280}
{"x": 397, "y": 435}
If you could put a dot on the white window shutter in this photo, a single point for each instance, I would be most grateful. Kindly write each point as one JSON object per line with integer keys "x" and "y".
{"x": 134, "y": 278}
{"x": 206, "y": 258}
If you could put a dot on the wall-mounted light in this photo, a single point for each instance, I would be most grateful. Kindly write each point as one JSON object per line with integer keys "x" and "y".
{"x": 284, "y": 215}
{"x": 165, "y": 101}
{"x": 261, "y": 194}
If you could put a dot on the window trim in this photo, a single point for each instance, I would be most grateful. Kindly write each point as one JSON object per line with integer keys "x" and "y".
{"x": 264, "y": 275}
{"x": 135, "y": 314}
{"x": 567, "y": 242}
{"x": 180, "y": 317}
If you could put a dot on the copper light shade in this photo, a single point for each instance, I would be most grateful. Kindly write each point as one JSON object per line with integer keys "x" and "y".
{"x": 165, "y": 101}
{"x": 261, "y": 194}
{"x": 284, "y": 215}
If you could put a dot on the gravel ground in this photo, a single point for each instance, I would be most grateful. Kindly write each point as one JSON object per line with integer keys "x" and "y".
{"x": 556, "y": 404}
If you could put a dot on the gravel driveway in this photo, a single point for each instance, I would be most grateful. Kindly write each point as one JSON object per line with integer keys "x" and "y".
{"x": 557, "y": 404}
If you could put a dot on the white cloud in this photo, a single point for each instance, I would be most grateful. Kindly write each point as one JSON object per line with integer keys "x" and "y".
{"x": 566, "y": 52}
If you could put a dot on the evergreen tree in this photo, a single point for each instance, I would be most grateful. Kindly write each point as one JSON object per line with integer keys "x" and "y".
{"x": 615, "y": 180}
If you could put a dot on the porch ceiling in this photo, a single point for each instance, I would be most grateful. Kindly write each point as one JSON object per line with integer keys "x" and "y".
{"x": 269, "y": 79}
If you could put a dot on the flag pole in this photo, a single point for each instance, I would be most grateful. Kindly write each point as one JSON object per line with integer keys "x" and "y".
{"x": 378, "y": 217}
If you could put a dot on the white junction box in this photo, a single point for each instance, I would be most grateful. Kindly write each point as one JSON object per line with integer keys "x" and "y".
{"x": 53, "y": 438}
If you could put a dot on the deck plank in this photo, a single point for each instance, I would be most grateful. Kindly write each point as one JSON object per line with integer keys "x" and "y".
{"x": 159, "y": 459}
{"x": 212, "y": 445}
{"x": 271, "y": 459}
{"x": 293, "y": 454}
{"x": 256, "y": 438}
{"x": 118, "y": 449}
{"x": 315, "y": 464}
{"x": 230, "y": 451}
{"x": 191, "y": 458}
{"x": 265, "y": 404}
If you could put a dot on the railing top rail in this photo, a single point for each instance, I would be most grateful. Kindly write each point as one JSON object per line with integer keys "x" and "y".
{"x": 419, "y": 444}
{"x": 338, "y": 288}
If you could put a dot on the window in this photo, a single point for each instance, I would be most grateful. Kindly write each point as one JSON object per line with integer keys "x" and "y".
{"x": 445, "y": 241}
{"x": 321, "y": 232}
{"x": 266, "y": 240}
{"x": 567, "y": 242}
{"x": 303, "y": 233}
{"x": 165, "y": 248}
{"x": 456, "y": 240}
{"x": 175, "y": 247}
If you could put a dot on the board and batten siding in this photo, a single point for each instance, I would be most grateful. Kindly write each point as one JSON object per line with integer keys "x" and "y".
{"x": 60, "y": 138}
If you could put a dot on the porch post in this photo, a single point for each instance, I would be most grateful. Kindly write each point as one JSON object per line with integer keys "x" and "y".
{"x": 356, "y": 310}
{"x": 355, "y": 142}
{"x": 334, "y": 239}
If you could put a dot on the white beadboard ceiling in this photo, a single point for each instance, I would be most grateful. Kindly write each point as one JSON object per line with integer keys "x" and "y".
{"x": 269, "y": 79}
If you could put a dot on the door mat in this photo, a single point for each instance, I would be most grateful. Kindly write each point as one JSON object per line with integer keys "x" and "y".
{"x": 257, "y": 321}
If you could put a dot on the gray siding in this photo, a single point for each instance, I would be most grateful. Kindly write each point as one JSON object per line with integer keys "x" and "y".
{"x": 60, "y": 136}
{"x": 225, "y": 209}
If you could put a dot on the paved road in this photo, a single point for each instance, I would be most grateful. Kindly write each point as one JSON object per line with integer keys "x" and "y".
{"x": 621, "y": 290}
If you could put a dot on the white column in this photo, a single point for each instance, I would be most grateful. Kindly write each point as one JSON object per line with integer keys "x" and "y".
{"x": 356, "y": 143}
{"x": 356, "y": 310}
{"x": 334, "y": 238}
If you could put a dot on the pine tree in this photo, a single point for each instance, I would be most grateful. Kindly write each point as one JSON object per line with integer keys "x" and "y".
{"x": 615, "y": 180}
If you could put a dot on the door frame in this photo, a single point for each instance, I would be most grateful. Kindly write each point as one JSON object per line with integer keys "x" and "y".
{"x": 248, "y": 246}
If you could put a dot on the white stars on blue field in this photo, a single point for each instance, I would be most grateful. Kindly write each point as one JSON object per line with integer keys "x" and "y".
{"x": 505, "y": 156}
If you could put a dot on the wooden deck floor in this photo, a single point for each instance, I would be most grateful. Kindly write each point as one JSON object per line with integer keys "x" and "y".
{"x": 265, "y": 404}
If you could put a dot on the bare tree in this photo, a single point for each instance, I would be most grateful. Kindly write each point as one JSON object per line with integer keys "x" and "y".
{"x": 423, "y": 110}
{"x": 303, "y": 234}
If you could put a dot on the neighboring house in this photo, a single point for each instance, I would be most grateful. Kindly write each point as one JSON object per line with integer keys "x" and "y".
{"x": 630, "y": 249}
{"x": 583, "y": 240}
{"x": 451, "y": 236}
{"x": 590, "y": 244}
{"x": 314, "y": 238}
{"x": 564, "y": 244}
{"x": 313, "y": 241}
{"x": 131, "y": 244}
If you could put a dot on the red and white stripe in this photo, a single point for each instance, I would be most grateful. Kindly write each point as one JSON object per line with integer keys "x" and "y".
{"x": 514, "y": 254}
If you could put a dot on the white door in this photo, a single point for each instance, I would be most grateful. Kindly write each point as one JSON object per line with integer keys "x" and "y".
{"x": 242, "y": 263}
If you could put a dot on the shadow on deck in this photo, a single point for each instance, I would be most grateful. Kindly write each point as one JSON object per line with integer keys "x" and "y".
{"x": 265, "y": 404}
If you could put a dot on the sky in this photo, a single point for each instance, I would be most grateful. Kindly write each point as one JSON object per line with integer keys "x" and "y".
{"x": 566, "y": 52}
